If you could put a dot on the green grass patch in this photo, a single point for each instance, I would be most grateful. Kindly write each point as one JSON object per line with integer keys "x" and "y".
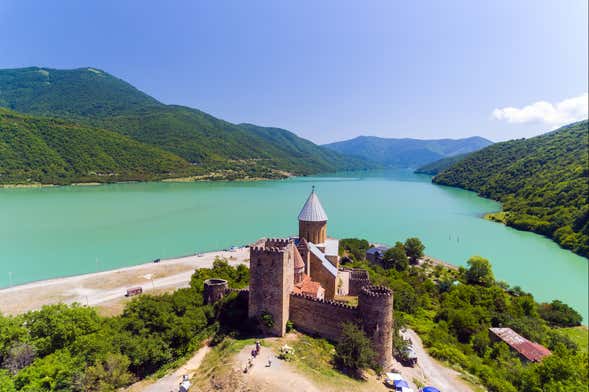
{"x": 579, "y": 335}
{"x": 497, "y": 217}
{"x": 314, "y": 358}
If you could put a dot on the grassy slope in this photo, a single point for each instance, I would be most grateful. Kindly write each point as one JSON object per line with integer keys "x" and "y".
{"x": 48, "y": 150}
{"x": 541, "y": 181}
{"x": 102, "y": 100}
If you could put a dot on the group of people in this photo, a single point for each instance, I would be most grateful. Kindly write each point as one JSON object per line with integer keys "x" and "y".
{"x": 254, "y": 353}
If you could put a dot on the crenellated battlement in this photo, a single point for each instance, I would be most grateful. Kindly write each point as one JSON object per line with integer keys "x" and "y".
{"x": 337, "y": 304}
{"x": 277, "y": 242}
{"x": 263, "y": 250}
{"x": 358, "y": 274}
{"x": 376, "y": 291}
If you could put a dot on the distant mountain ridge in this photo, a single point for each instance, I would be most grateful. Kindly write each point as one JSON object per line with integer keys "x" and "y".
{"x": 440, "y": 165}
{"x": 98, "y": 100}
{"x": 543, "y": 183}
{"x": 406, "y": 152}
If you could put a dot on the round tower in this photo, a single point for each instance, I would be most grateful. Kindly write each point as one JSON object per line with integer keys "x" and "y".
{"x": 375, "y": 307}
{"x": 214, "y": 290}
{"x": 313, "y": 220}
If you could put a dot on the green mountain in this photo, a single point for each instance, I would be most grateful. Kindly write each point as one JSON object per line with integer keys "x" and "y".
{"x": 440, "y": 165}
{"x": 406, "y": 152}
{"x": 85, "y": 92}
{"x": 542, "y": 183}
{"x": 302, "y": 150}
{"x": 99, "y": 100}
{"x": 49, "y": 150}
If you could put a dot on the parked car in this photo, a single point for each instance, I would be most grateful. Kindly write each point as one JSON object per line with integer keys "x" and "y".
{"x": 410, "y": 356}
{"x": 390, "y": 378}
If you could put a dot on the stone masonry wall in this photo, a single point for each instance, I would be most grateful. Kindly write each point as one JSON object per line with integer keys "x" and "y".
{"x": 271, "y": 281}
{"x": 315, "y": 316}
{"x": 315, "y": 232}
{"x": 358, "y": 279}
{"x": 321, "y": 275}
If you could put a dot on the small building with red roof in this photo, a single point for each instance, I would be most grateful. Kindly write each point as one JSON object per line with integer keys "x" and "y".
{"x": 528, "y": 351}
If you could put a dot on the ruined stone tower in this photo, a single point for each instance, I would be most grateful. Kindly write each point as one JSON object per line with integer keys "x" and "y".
{"x": 313, "y": 220}
{"x": 271, "y": 282}
{"x": 375, "y": 307}
{"x": 214, "y": 290}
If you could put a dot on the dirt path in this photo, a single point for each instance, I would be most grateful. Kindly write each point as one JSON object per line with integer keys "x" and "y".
{"x": 280, "y": 377}
{"x": 108, "y": 286}
{"x": 172, "y": 381}
{"x": 429, "y": 371}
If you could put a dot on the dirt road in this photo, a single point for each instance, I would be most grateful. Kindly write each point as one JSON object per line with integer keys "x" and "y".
{"x": 97, "y": 288}
{"x": 172, "y": 381}
{"x": 429, "y": 371}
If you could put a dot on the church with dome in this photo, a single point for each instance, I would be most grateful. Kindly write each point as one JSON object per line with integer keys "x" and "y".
{"x": 299, "y": 279}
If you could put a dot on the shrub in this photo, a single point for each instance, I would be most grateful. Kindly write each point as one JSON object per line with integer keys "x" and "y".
{"x": 354, "y": 351}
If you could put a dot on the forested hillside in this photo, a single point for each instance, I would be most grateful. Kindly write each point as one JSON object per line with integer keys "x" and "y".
{"x": 100, "y": 100}
{"x": 69, "y": 93}
{"x": 406, "y": 152}
{"x": 49, "y": 150}
{"x": 440, "y": 165}
{"x": 542, "y": 183}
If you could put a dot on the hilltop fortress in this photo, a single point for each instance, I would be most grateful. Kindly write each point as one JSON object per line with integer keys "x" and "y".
{"x": 298, "y": 279}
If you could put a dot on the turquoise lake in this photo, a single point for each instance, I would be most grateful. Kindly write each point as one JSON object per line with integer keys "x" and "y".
{"x": 53, "y": 232}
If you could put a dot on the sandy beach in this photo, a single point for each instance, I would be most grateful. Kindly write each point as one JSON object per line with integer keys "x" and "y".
{"x": 110, "y": 286}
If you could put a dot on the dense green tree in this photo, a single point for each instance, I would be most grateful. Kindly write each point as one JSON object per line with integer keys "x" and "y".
{"x": 406, "y": 300}
{"x": 354, "y": 351}
{"x": 108, "y": 375}
{"x": 479, "y": 271}
{"x": 414, "y": 249}
{"x": 6, "y": 382}
{"x": 560, "y": 314}
{"x": 58, "y": 371}
{"x": 396, "y": 257}
{"x": 354, "y": 248}
{"x": 57, "y": 326}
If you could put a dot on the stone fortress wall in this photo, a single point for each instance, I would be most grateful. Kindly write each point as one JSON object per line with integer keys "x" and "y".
{"x": 320, "y": 317}
{"x": 324, "y": 318}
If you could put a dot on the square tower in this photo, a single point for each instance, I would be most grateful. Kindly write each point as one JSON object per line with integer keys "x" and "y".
{"x": 271, "y": 282}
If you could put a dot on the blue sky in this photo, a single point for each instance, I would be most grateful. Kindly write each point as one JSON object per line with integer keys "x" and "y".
{"x": 328, "y": 70}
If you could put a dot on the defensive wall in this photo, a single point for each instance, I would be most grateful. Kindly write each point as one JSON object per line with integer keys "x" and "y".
{"x": 320, "y": 317}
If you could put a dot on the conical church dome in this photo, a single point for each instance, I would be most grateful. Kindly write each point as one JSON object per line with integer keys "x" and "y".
{"x": 313, "y": 211}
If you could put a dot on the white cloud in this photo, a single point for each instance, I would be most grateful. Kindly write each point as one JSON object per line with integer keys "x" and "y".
{"x": 554, "y": 115}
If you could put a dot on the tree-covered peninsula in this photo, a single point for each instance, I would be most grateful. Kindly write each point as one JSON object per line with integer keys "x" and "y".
{"x": 541, "y": 181}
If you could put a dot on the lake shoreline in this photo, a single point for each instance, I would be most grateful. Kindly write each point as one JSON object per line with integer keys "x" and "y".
{"x": 101, "y": 287}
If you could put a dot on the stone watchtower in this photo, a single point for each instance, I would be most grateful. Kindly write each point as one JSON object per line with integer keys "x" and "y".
{"x": 313, "y": 220}
{"x": 375, "y": 307}
{"x": 271, "y": 282}
{"x": 214, "y": 290}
